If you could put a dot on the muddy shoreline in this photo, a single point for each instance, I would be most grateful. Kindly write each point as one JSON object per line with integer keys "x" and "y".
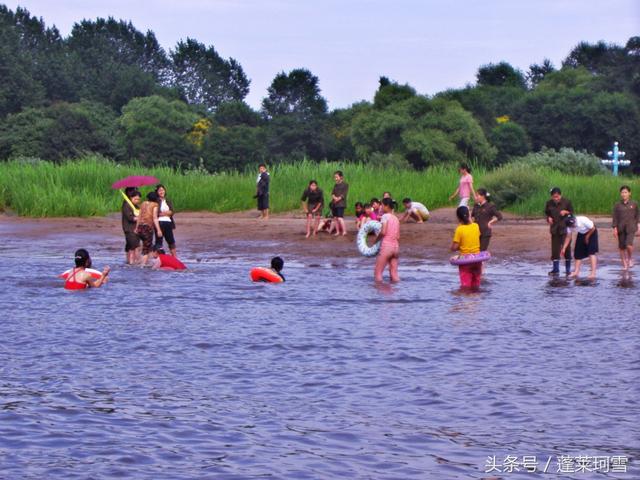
{"x": 525, "y": 240}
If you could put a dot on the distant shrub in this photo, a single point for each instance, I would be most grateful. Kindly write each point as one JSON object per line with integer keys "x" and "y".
{"x": 388, "y": 161}
{"x": 566, "y": 160}
{"x": 513, "y": 183}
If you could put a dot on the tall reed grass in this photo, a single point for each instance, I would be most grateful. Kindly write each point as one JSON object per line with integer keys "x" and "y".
{"x": 83, "y": 187}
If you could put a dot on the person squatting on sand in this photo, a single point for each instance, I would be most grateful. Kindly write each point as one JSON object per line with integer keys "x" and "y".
{"x": 414, "y": 211}
{"x": 466, "y": 240}
{"x": 556, "y": 210}
{"x": 625, "y": 225}
{"x": 390, "y": 245}
{"x": 586, "y": 245}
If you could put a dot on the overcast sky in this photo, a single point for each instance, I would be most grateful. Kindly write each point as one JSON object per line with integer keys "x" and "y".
{"x": 430, "y": 44}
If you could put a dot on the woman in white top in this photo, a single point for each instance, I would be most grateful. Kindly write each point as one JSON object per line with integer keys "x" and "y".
{"x": 586, "y": 243}
{"x": 414, "y": 211}
{"x": 165, "y": 218}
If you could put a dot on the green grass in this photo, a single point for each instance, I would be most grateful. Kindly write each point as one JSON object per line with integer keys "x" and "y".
{"x": 83, "y": 187}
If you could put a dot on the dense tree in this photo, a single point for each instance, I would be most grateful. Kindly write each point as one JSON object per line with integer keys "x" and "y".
{"x": 116, "y": 62}
{"x": 510, "y": 140}
{"x": 537, "y": 72}
{"x": 391, "y": 92}
{"x": 236, "y": 113}
{"x": 60, "y": 131}
{"x": 154, "y": 131}
{"x": 204, "y": 77}
{"x": 296, "y": 113}
{"x": 500, "y": 75}
{"x": 233, "y": 148}
{"x": 425, "y": 132}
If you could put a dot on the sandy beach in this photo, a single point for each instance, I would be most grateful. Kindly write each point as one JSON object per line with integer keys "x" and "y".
{"x": 513, "y": 238}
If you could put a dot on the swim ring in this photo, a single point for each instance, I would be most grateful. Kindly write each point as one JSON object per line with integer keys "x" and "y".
{"x": 94, "y": 273}
{"x": 470, "y": 258}
{"x": 361, "y": 240}
{"x": 261, "y": 274}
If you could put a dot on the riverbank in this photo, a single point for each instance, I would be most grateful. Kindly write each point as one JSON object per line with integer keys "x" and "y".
{"x": 515, "y": 238}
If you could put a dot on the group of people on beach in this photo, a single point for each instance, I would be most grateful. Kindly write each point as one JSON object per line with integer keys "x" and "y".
{"x": 148, "y": 224}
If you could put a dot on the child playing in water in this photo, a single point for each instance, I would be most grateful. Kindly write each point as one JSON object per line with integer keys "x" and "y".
{"x": 465, "y": 187}
{"x": 390, "y": 246}
{"x": 466, "y": 239}
{"x": 377, "y": 210}
{"x": 79, "y": 278}
{"x": 625, "y": 225}
{"x": 129, "y": 219}
{"x": 312, "y": 204}
{"x": 147, "y": 222}
{"x": 414, "y": 211}
{"x": 586, "y": 243}
{"x": 359, "y": 213}
{"x": 166, "y": 262}
{"x": 277, "y": 263}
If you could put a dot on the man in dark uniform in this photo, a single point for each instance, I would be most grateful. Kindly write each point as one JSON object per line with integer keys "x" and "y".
{"x": 262, "y": 191}
{"x": 556, "y": 211}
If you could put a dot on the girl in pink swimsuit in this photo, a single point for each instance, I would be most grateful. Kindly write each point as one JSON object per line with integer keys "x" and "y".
{"x": 390, "y": 246}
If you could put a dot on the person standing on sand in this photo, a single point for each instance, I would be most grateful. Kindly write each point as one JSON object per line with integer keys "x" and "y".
{"x": 625, "y": 225}
{"x": 390, "y": 245}
{"x": 312, "y": 204}
{"x": 262, "y": 191}
{"x": 339, "y": 198}
{"x": 465, "y": 187}
{"x": 556, "y": 210}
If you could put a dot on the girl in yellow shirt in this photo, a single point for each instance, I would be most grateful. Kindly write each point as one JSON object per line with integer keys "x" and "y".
{"x": 466, "y": 240}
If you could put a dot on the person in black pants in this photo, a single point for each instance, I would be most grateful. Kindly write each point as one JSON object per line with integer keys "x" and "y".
{"x": 262, "y": 191}
{"x": 556, "y": 210}
{"x": 165, "y": 218}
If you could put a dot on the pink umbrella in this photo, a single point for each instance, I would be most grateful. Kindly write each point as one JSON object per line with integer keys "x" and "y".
{"x": 135, "y": 181}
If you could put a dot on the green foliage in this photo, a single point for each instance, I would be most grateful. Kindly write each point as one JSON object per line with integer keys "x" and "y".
{"x": 232, "y": 148}
{"x": 205, "y": 78}
{"x": 425, "y": 132}
{"x": 512, "y": 184}
{"x": 154, "y": 131}
{"x": 500, "y": 75}
{"x": 296, "y": 116}
{"x": 511, "y": 140}
{"x": 62, "y": 130}
{"x": 391, "y": 92}
{"x": 566, "y": 161}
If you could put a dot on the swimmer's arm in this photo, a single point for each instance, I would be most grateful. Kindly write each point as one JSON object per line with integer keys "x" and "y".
{"x": 455, "y": 246}
{"x": 588, "y": 235}
{"x": 305, "y": 208}
{"x": 453, "y": 195}
{"x": 383, "y": 232}
{"x": 98, "y": 282}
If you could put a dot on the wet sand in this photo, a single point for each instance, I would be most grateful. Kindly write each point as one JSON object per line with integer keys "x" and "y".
{"x": 197, "y": 232}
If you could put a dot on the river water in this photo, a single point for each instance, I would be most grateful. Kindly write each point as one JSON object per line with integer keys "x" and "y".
{"x": 203, "y": 375}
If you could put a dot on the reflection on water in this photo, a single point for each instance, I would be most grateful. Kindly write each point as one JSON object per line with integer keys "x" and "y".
{"x": 205, "y": 375}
